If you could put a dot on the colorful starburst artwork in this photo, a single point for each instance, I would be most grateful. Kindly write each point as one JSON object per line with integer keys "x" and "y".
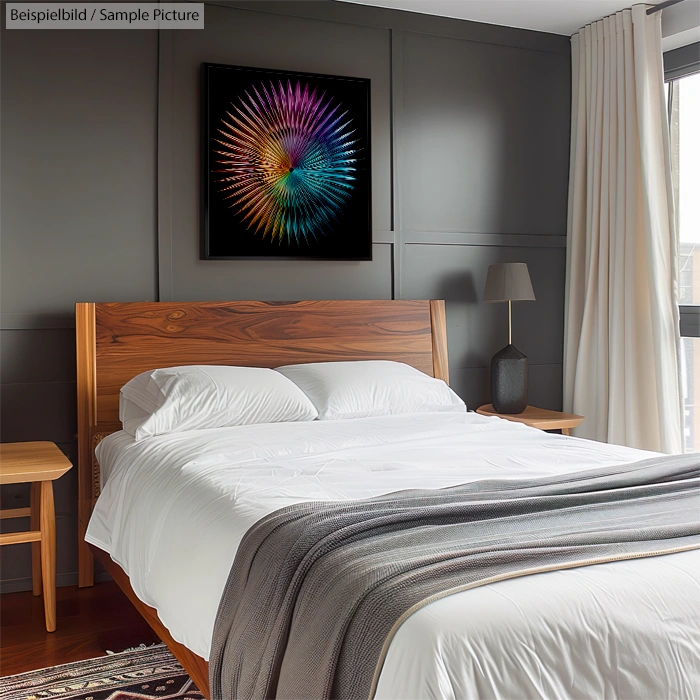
{"x": 288, "y": 159}
{"x": 286, "y": 165}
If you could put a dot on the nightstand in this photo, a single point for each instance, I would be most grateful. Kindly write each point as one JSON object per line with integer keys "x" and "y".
{"x": 38, "y": 464}
{"x": 541, "y": 418}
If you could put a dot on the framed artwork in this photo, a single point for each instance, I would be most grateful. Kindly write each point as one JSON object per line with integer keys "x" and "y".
{"x": 285, "y": 165}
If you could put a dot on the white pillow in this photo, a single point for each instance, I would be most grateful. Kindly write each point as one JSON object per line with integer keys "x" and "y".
{"x": 370, "y": 388}
{"x": 203, "y": 396}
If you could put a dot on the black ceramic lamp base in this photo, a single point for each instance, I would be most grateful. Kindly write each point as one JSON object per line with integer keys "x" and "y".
{"x": 509, "y": 381}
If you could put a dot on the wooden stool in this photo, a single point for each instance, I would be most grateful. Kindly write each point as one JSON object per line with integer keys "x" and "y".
{"x": 38, "y": 463}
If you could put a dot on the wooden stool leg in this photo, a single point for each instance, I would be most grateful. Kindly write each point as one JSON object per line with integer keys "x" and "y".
{"x": 48, "y": 554}
{"x": 36, "y": 546}
{"x": 564, "y": 431}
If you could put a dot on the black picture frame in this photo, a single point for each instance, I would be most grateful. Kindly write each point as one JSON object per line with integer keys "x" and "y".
{"x": 331, "y": 222}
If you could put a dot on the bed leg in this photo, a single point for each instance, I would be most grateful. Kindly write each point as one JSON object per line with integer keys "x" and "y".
{"x": 86, "y": 561}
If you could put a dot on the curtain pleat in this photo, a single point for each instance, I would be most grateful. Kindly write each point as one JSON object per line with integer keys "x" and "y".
{"x": 622, "y": 343}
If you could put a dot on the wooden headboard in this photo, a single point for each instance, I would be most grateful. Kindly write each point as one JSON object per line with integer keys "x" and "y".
{"x": 117, "y": 341}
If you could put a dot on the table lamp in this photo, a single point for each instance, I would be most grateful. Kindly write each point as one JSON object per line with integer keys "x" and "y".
{"x": 508, "y": 282}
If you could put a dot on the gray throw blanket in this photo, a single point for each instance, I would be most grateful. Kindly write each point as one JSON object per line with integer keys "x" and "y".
{"x": 317, "y": 590}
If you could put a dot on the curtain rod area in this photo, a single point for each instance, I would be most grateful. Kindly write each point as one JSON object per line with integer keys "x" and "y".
{"x": 662, "y": 5}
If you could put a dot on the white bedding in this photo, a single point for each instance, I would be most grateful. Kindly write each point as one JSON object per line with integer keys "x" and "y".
{"x": 174, "y": 508}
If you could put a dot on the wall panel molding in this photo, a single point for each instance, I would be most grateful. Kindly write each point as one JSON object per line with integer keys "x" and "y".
{"x": 397, "y": 134}
{"x": 165, "y": 165}
{"x": 383, "y": 237}
{"x": 36, "y": 321}
{"x": 505, "y": 240}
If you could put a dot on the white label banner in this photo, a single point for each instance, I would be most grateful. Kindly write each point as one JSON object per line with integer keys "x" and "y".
{"x": 111, "y": 15}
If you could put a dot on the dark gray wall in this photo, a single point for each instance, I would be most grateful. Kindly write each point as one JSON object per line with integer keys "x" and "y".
{"x": 100, "y": 167}
{"x": 78, "y": 222}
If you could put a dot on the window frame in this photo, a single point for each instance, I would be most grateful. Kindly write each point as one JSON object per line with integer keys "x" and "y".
{"x": 680, "y": 63}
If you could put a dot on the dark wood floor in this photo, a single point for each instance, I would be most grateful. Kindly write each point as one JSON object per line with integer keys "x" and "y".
{"x": 89, "y": 622}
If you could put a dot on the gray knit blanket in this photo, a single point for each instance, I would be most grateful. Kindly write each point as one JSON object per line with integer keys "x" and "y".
{"x": 317, "y": 590}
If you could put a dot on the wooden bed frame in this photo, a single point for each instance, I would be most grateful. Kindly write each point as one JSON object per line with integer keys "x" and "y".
{"x": 117, "y": 341}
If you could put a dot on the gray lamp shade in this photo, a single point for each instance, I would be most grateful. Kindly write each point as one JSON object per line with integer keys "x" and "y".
{"x": 508, "y": 282}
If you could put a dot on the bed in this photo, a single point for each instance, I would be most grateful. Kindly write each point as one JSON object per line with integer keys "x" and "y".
{"x": 116, "y": 341}
{"x": 545, "y": 635}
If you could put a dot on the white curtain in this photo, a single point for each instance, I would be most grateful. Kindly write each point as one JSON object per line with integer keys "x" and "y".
{"x": 622, "y": 343}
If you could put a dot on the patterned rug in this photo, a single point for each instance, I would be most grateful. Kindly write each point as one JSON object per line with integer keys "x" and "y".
{"x": 146, "y": 673}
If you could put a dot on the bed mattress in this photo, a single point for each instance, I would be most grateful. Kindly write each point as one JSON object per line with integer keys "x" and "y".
{"x": 174, "y": 508}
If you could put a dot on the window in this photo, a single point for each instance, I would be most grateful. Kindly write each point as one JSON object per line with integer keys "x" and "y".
{"x": 683, "y": 94}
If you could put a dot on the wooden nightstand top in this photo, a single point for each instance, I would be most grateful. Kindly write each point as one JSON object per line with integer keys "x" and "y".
{"x": 541, "y": 418}
{"x": 23, "y": 462}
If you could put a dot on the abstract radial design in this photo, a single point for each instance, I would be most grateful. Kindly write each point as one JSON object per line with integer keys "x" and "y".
{"x": 288, "y": 158}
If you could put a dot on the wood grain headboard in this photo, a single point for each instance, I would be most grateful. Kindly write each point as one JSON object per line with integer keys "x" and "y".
{"x": 117, "y": 341}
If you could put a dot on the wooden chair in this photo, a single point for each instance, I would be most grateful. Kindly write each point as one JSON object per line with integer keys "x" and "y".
{"x": 37, "y": 463}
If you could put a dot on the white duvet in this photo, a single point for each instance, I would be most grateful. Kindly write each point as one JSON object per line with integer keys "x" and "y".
{"x": 174, "y": 508}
